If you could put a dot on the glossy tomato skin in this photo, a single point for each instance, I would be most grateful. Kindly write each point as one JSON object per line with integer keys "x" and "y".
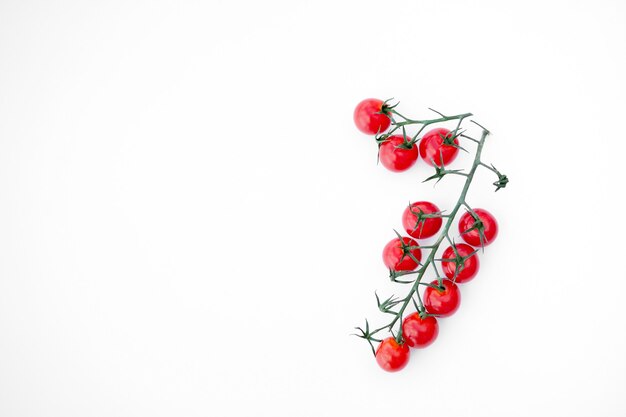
{"x": 394, "y": 257}
{"x": 419, "y": 332}
{"x": 470, "y": 265}
{"x": 490, "y": 231}
{"x": 392, "y": 356}
{"x": 432, "y": 147}
{"x": 427, "y": 227}
{"x": 442, "y": 303}
{"x": 395, "y": 158}
{"x": 368, "y": 119}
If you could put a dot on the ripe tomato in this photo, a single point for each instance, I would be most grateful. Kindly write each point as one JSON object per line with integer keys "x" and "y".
{"x": 395, "y": 155}
{"x": 424, "y": 228}
{"x": 432, "y": 147}
{"x": 392, "y": 356}
{"x": 368, "y": 118}
{"x": 444, "y": 302}
{"x": 469, "y": 266}
{"x": 397, "y": 258}
{"x": 487, "y": 224}
{"x": 419, "y": 332}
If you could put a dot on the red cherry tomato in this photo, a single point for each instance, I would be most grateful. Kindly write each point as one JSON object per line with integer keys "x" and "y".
{"x": 419, "y": 332}
{"x": 368, "y": 118}
{"x": 397, "y": 258}
{"x": 469, "y": 267}
{"x": 487, "y": 224}
{"x": 424, "y": 228}
{"x": 392, "y": 356}
{"x": 432, "y": 147}
{"x": 442, "y": 302}
{"x": 395, "y": 155}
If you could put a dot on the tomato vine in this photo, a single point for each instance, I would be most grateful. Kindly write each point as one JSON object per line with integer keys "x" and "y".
{"x": 481, "y": 225}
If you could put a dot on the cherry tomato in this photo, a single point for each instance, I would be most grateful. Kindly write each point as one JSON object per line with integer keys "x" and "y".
{"x": 432, "y": 147}
{"x": 368, "y": 118}
{"x": 397, "y": 258}
{"x": 487, "y": 224}
{"x": 392, "y": 356}
{"x": 424, "y": 228}
{"x": 442, "y": 302}
{"x": 395, "y": 155}
{"x": 470, "y": 266}
{"x": 419, "y": 332}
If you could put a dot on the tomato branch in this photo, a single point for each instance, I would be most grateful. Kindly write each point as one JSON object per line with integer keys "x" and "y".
{"x": 398, "y": 150}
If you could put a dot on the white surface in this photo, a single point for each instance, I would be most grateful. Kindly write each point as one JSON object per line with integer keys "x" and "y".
{"x": 190, "y": 224}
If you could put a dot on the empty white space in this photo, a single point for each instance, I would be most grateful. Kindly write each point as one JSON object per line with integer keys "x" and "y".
{"x": 190, "y": 224}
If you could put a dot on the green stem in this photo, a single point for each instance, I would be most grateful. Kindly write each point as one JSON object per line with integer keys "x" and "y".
{"x": 490, "y": 168}
{"x": 424, "y": 123}
{"x": 431, "y": 121}
{"x": 444, "y": 233}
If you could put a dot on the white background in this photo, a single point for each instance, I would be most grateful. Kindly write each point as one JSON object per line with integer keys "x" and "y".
{"x": 191, "y": 225}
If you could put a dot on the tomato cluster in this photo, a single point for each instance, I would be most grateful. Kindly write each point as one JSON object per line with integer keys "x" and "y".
{"x": 397, "y": 153}
{"x": 441, "y": 298}
{"x": 424, "y": 220}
